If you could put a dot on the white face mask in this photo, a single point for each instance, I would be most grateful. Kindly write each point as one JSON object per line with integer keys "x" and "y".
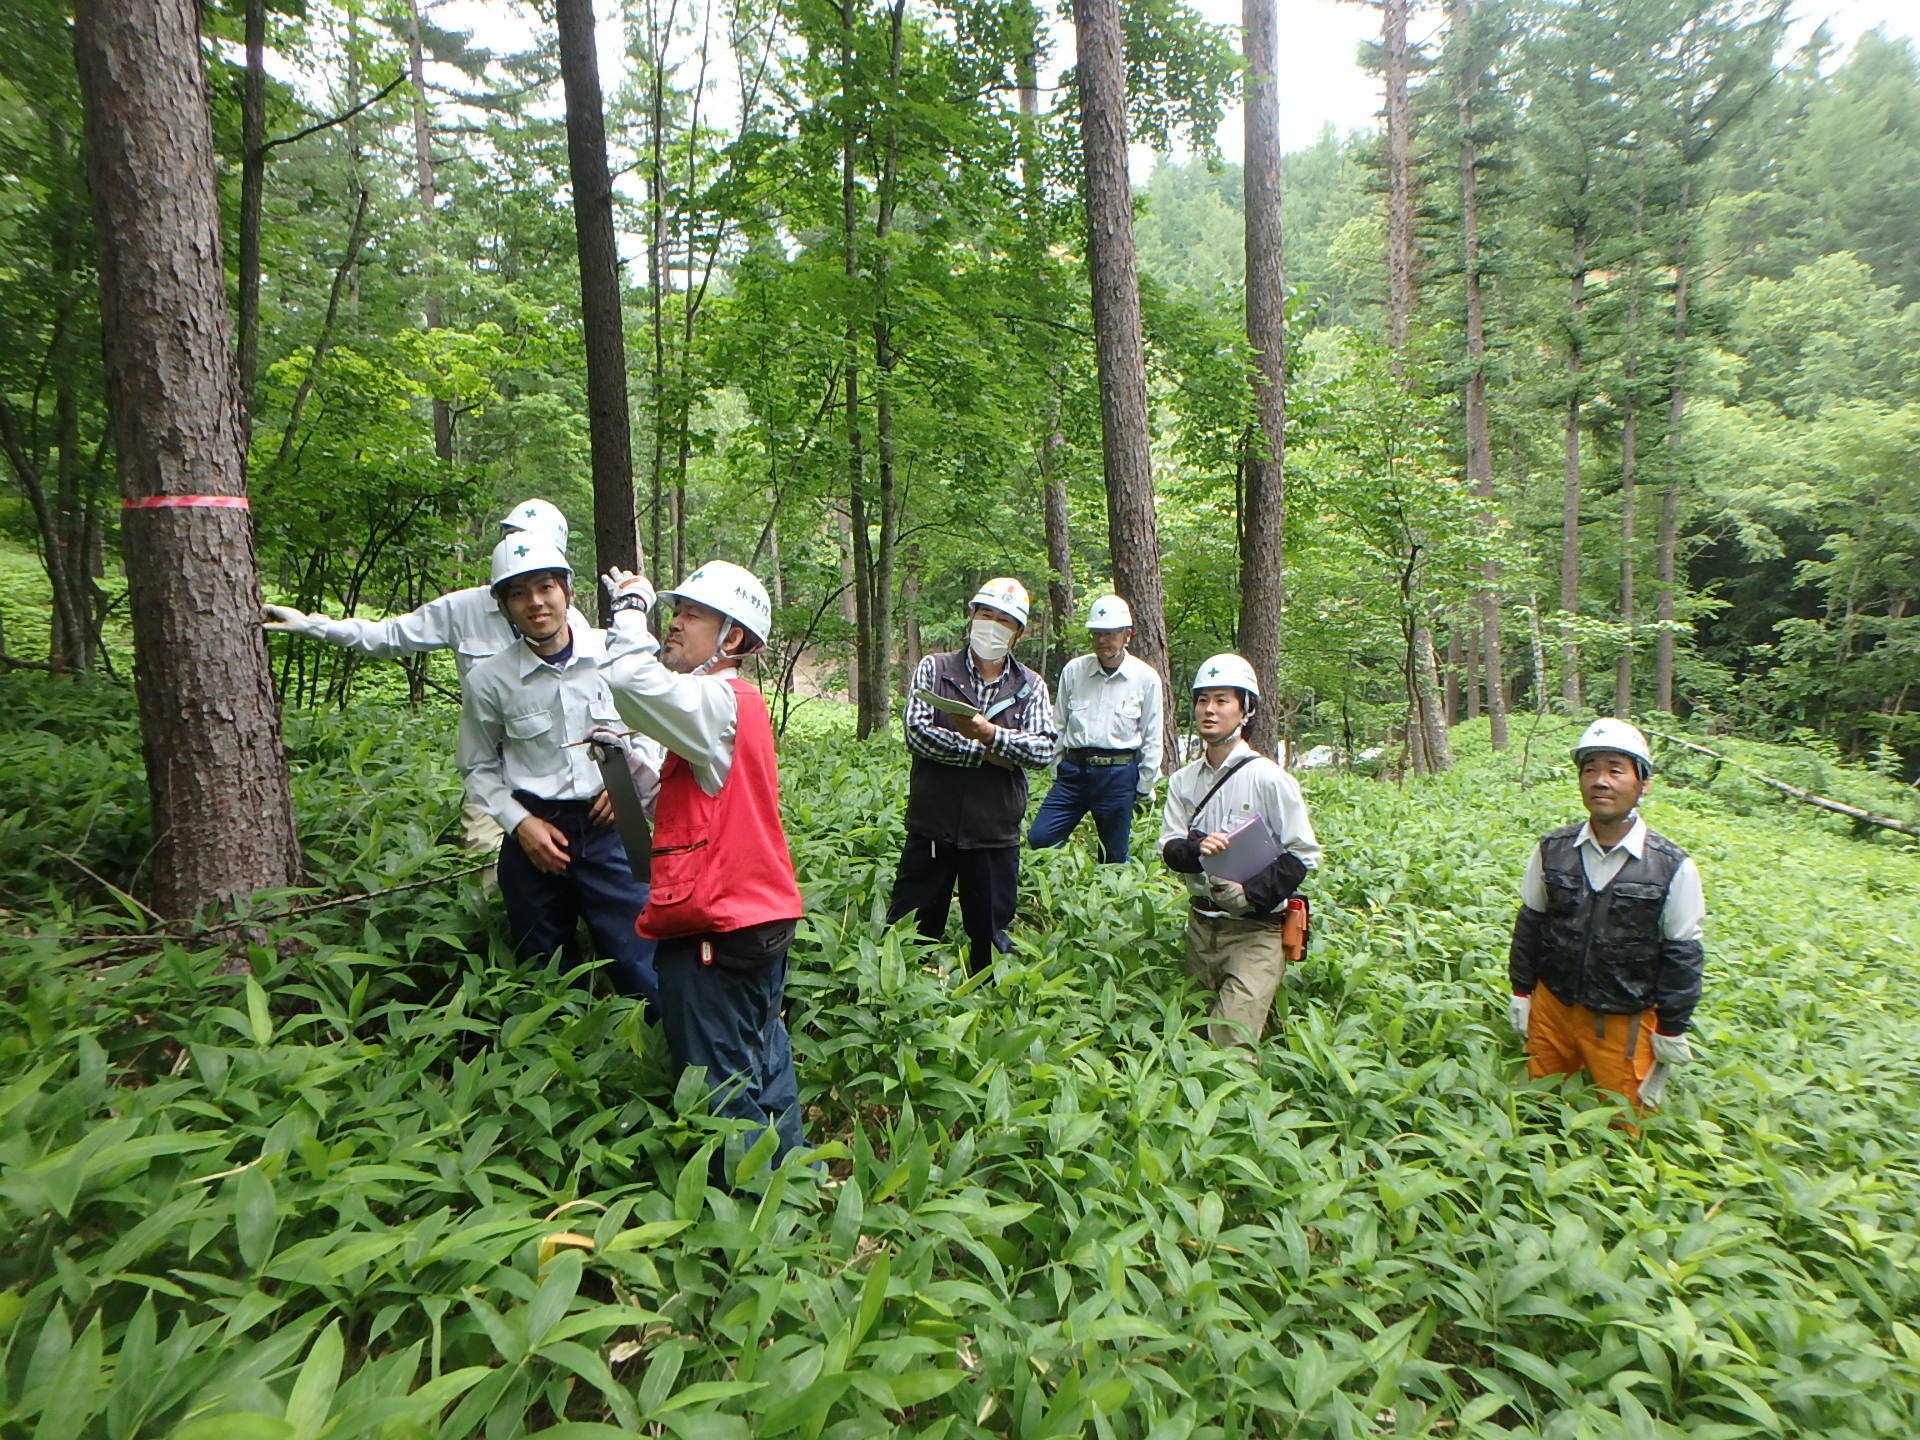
{"x": 989, "y": 640}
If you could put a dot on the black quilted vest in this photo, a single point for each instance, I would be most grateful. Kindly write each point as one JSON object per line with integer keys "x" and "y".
{"x": 969, "y": 807}
{"x": 1601, "y": 948}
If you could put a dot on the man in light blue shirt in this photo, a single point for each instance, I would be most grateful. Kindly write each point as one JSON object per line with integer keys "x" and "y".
{"x": 1111, "y": 723}
{"x": 527, "y": 714}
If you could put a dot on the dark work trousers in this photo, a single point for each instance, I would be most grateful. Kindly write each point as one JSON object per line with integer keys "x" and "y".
{"x": 544, "y": 911}
{"x": 988, "y": 879}
{"x": 1105, "y": 792}
{"x": 728, "y": 1021}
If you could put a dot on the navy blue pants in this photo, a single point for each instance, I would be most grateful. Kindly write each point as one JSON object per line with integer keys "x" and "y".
{"x": 728, "y": 1021}
{"x": 1106, "y": 792}
{"x": 989, "y": 882}
{"x": 544, "y": 911}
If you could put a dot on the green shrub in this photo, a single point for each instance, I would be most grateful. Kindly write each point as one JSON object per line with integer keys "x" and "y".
{"x": 319, "y": 1200}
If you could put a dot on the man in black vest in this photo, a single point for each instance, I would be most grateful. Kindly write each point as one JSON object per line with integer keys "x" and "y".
{"x": 1606, "y": 956}
{"x": 976, "y": 721}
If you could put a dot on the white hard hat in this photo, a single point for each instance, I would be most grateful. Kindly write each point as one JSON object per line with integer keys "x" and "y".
{"x": 1004, "y": 593}
{"x": 1608, "y": 733}
{"x": 537, "y": 517}
{"x": 1109, "y": 612}
{"x": 734, "y": 591}
{"x": 1227, "y": 669}
{"x": 526, "y": 554}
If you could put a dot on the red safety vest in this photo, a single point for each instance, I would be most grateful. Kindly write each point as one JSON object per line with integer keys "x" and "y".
{"x": 720, "y": 862}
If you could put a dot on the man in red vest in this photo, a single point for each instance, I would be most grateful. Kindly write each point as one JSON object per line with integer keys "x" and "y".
{"x": 723, "y": 902}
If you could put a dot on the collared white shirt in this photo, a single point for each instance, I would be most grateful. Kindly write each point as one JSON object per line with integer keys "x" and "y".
{"x": 1119, "y": 709}
{"x": 693, "y": 716}
{"x": 467, "y": 622}
{"x": 1262, "y": 787}
{"x": 521, "y": 721}
{"x": 1680, "y": 914}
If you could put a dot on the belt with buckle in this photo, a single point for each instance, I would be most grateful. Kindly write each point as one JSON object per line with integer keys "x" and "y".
{"x": 1104, "y": 758}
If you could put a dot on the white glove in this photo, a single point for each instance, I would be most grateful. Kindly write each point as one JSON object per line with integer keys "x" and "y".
{"x": 1520, "y": 1013}
{"x": 285, "y": 620}
{"x": 1229, "y": 896}
{"x": 1672, "y": 1049}
{"x": 602, "y": 740}
{"x": 1653, "y": 1089}
{"x": 627, "y": 590}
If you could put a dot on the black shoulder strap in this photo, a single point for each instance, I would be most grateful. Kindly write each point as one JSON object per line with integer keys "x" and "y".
{"x": 1225, "y": 775}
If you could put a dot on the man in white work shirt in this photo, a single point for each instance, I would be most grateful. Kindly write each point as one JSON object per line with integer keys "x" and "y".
{"x": 526, "y": 715}
{"x": 724, "y": 902}
{"x": 1606, "y": 959}
{"x": 468, "y": 622}
{"x": 1235, "y": 946}
{"x": 1108, "y": 708}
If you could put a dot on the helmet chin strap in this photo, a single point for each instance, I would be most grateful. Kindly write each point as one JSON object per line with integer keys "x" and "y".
{"x": 706, "y": 666}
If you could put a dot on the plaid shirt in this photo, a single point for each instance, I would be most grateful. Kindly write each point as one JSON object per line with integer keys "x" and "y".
{"x": 1023, "y": 733}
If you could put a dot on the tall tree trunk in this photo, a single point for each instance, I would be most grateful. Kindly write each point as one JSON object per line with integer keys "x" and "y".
{"x": 1264, "y": 508}
{"x": 1536, "y": 634}
{"x": 1570, "y": 472}
{"x": 1430, "y": 721}
{"x": 210, "y": 733}
{"x": 909, "y": 614}
{"x": 1393, "y": 44}
{"x": 1666, "y": 559}
{"x": 860, "y": 673}
{"x": 253, "y": 182}
{"x": 1053, "y": 481}
{"x": 616, "y": 536}
{"x": 429, "y": 245}
{"x": 1470, "y": 669}
{"x": 657, "y": 485}
{"x": 1451, "y": 689}
{"x": 1629, "y": 455}
{"x": 877, "y": 693}
{"x": 1133, "y": 535}
{"x": 1479, "y": 444}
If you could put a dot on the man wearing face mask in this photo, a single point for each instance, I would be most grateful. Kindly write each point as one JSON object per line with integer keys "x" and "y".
{"x": 977, "y": 721}
{"x": 723, "y": 902}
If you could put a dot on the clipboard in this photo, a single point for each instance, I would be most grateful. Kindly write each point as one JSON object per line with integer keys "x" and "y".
{"x": 1251, "y": 848}
{"x": 943, "y": 703}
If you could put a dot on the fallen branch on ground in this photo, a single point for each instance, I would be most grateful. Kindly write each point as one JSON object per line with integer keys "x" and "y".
{"x": 1821, "y": 802}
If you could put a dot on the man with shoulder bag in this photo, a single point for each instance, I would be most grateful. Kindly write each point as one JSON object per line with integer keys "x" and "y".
{"x": 1236, "y": 813}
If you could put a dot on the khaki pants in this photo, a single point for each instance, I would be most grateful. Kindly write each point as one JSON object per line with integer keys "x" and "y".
{"x": 1242, "y": 963}
{"x": 479, "y": 831}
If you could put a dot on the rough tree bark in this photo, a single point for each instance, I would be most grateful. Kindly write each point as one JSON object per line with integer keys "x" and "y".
{"x": 1479, "y": 444}
{"x": 1053, "y": 481}
{"x": 1629, "y": 457}
{"x": 616, "y": 536}
{"x": 859, "y": 673}
{"x": 433, "y": 311}
{"x": 1264, "y": 507}
{"x": 876, "y": 693}
{"x": 1393, "y": 44}
{"x": 253, "y": 178}
{"x": 210, "y": 732}
{"x": 1133, "y": 534}
{"x": 1667, "y": 546}
{"x": 1570, "y": 469}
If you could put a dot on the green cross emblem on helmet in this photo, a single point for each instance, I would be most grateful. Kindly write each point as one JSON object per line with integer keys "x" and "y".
{"x": 520, "y": 551}
{"x": 1213, "y": 670}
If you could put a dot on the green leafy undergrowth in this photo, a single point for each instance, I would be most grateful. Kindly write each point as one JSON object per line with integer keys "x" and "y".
{"x": 395, "y": 1184}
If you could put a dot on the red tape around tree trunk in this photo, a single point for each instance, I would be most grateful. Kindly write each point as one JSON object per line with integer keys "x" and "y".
{"x": 181, "y": 502}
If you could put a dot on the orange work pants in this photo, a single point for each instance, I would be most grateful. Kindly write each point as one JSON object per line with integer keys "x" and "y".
{"x": 1615, "y": 1049}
